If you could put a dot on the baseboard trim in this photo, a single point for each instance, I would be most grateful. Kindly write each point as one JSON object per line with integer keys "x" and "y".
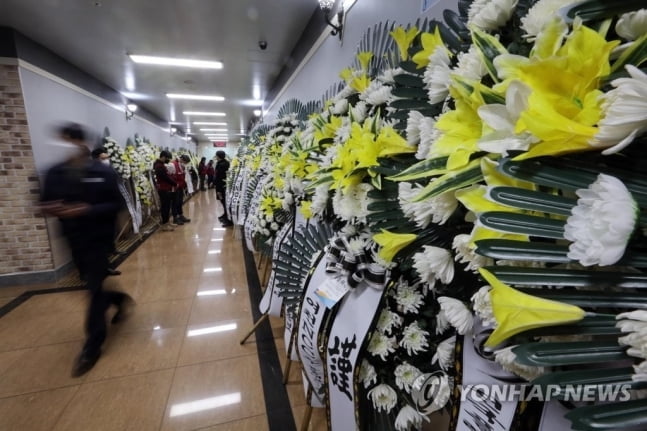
{"x": 35, "y": 277}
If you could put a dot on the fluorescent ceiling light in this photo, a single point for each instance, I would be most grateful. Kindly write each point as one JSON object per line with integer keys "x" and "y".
{"x": 212, "y": 330}
{"x": 213, "y": 130}
{"x": 194, "y": 97}
{"x": 209, "y": 123}
{"x": 213, "y": 114}
{"x": 170, "y": 61}
{"x": 257, "y": 112}
{"x": 204, "y": 404}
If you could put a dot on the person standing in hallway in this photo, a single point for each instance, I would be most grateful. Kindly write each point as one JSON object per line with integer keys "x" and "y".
{"x": 166, "y": 187}
{"x": 211, "y": 172}
{"x": 202, "y": 172}
{"x": 84, "y": 195}
{"x": 178, "y": 198}
{"x": 220, "y": 179}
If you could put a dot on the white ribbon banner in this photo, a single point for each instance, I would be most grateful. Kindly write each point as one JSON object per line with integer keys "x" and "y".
{"x": 477, "y": 413}
{"x": 250, "y": 220}
{"x": 290, "y": 322}
{"x": 129, "y": 205}
{"x": 271, "y": 302}
{"x": 311, "y": 317}
{"x": 351, "y": 325}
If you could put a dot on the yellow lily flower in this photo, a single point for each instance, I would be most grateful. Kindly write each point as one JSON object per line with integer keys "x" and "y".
{"x": 364, "y": 59}
{"x": 346, "y": 74}
{"x": 360, "y": 83}
{"x": 390, "y": 142}
{"x": 430, "y": 42}
{"x": 391, "y": 243}
{"x": 403, "y": 39}
{"x": 516, "y": 312}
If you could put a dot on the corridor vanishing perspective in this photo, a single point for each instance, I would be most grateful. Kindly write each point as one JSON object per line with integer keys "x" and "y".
{"x": 176, "y": 363}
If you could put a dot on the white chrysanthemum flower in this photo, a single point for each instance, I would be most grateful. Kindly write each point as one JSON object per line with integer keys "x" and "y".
{"x": 384, "y": 397}
{"x": 490, "y": 14}
{"x": 434, "y": 263}
{"x": 346, "y": 92}
{"x": 601, "y": 222}
{"x": 413, "y": 127}
{"x": 340, "y": 107}
{"x": 343, "y": 132}
{"x": 540, "y": 14}
{"x": 381, "y": 345}
{"x": 320, "y": 199}
{"x": 437, "y": 75}
{"x": 352, "y": 205}
{"x": 482, "y": 304}
{"x": 634, "y": 323}
{"x": 465, "y": 253}
{"x": 445, "y": 353}
{"x": 442, "y": 324}
{"x": 502, "y": 120}
{"x": 367, "y": 374}
{"x": 359, "y": 112}
{"x": 405, "y": 375}
{"x": 632, "y": 25}
{"x": 458, "y": 315}
{"x": 625, "y": 112}
{"x": 408, "y": 298}
{"x": 414, "y": 339}
{"x": 274, "y": 226}
{"x": 437, "y": 209}
{"x": 470, "y": 65}
{"x": 387, "y": 321}
{"x": 388, "y": 76}
{"x": 408, "y": 418}
{"x": 376, "y": 93}
{"x": 429, "y": 134}
{"x": 508, "y": 360}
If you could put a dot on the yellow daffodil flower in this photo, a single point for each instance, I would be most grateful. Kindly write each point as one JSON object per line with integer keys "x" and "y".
{"x": 391, "y": 243}
{"x": 516, "y": 312}
{"x": 403, "y": 39}
{"x": 430, "y": 42}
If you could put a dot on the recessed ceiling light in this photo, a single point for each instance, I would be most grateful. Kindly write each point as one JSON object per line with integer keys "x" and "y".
{"x": 213, "y": 130}
{"x": 257, "y": 112}
{"x": 170, "y": 61}
{"x": 212, "y": 114}
{"x": 194, "y": 97}
{"x": 208, "y": 123}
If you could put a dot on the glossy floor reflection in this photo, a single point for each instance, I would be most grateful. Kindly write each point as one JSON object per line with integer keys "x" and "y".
{"x": 175, "y": 364}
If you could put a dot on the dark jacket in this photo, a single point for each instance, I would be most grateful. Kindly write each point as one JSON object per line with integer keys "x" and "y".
{"x": 222, "y": 166}
{"x": 93, "y": 183}
{"x": 163, "y": 180}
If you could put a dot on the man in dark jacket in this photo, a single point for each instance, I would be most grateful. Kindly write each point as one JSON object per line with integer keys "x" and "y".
{"x": 220, "y": 181}
{"x": 166, "y": 187}
{"x": 84, "y": 195}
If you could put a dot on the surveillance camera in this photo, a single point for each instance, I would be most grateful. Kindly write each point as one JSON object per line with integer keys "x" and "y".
{"x": 262, "y": 44}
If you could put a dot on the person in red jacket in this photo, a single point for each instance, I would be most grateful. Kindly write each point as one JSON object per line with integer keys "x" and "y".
{"x": 166, "y": 187}
{"x": 211, "y": 174}
{"x": 178, "y": 199}
{"x": 202, "y": 172}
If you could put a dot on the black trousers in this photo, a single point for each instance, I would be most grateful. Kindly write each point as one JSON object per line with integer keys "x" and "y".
{"x": 91, "y": 258}
{"x": 166, "y": 200}
{"x": 202, "y": 179}
{"x": 221, "y": 195}
{"x": 178, "y": 201}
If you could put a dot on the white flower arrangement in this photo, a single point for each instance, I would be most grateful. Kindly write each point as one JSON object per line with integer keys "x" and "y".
{"x": 508, "y": 360}
{"x": 465, "y": 253}
{"x": 352, "y": 205}
{"x": 381, "y": 345}
{"x": 445, "y": 353}
{"x": 601, "y": 223}
{"x": 540, "y": 14}
{"x": 405, "y": 375}
{"x": 437, "y": 209}
{"x": 384, "y": 397}
{"x": 457, "y": 314}
{"x": 437, "y": 75}
{"x": 632, "y": 25}
{"x": 376, "y": 93}
{"x": 388, "y": 321}
{"x": 625, "y": 112}
{"x": 409, "y": 418}
{"x": 490, "y": 14}
{"x": 434, "y": 263}
{"x": 117, "y": 157}
{"x": 408, "y": 298}
{"x": 414, "y": 339}
{"x": 482, "y": 305}
{"x": 367, "y": 374}
{"x": 470, "y": 65}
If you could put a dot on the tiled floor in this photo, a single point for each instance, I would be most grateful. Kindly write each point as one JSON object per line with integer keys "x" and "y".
{"x": 175, "y": 364}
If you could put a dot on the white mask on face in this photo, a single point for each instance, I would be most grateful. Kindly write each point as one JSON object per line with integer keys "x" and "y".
{"x": 64, "y": 150}
{"x": 105, "y": 162}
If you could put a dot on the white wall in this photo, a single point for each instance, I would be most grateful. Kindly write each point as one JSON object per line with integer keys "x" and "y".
{"x": 49, "y": 101}
{"x": 206, "y": 149}
{"x": 322, "y": 69}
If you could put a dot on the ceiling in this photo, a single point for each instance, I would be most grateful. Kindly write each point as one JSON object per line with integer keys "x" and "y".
{"x": 97, "y": 35}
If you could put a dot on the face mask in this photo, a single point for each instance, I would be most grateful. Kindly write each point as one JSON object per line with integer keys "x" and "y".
{"x": 105, "y": 162}
{"x": 65, "y": 150}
